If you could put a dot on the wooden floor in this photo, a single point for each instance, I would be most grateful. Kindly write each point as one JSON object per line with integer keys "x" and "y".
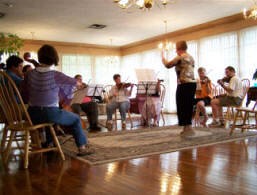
{"x": 228, "y": 168}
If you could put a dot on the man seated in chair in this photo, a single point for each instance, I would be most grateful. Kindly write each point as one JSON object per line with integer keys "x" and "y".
{"x": 14, "y": 69}
{"x": 203, "y": 94}
{"x": 234, "y": 96}
{"x": 87, "y": 106}
{"x": 119, "y": 98}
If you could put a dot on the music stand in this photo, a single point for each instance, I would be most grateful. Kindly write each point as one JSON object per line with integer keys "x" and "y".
{"x": 95, "y": 91}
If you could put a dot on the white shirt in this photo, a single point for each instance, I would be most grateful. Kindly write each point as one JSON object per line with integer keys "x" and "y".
{"x": 236, "y": 85}
{"x": 123, "y": 94}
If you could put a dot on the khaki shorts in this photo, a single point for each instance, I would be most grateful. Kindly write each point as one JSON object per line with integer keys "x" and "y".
{"x": 230, "y": 101}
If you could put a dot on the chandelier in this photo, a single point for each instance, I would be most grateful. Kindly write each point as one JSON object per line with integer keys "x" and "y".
{"x": 166, "y": 45}
{"x": 141, "y": 4}
{"x": 251, "y": 13}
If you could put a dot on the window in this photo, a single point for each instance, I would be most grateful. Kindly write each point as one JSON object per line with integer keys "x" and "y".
{"x": 218, "y": 52}
{"x": 77, "y": 64}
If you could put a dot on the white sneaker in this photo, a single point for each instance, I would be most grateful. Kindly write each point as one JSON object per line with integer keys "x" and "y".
{"x": 216, "y": 124}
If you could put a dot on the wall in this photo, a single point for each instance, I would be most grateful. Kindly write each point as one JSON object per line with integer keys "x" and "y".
{"x": 223, "y": 25}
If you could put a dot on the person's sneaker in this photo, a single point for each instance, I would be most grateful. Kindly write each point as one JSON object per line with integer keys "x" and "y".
{"x": 87, "y": 150}
{"x": 123, "y": 125}
{"x": 109, "y": 125}
{"x": 216, "y": 124}
{"x": 187, "y": 133}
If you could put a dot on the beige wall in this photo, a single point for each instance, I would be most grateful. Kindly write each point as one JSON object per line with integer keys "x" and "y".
{"x": 223, "y": 25}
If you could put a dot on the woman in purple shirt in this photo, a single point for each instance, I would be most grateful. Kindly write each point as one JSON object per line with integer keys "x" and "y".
{"x": 42, "y": 87}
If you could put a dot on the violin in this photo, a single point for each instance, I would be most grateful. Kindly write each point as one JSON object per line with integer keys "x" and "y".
{"x": 205, "y": 80}
{"x": 224, "y": 80}
{"x": 123, "y": 85}
{"x": 27, "y": 57}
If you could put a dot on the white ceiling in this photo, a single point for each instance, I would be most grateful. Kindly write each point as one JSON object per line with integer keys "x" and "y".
{"x": 67, "y": 20}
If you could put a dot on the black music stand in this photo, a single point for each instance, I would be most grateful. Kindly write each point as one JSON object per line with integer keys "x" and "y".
{"x": 147, "y": 88}
{"x": 95, "y": 91}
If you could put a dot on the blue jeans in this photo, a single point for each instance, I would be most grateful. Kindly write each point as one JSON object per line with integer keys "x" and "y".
{"x": 123, "y": 108}
{"x": 61, "y": 117}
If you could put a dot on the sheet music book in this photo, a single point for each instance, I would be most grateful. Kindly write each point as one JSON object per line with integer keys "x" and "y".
{"x": 146, "y": 75}
{"x": 79, "y": 95}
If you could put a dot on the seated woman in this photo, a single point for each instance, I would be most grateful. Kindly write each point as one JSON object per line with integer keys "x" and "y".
{"x": 42, "y": 86}
{"x": 150, "y": 106}
{"x": 203, "y": 94}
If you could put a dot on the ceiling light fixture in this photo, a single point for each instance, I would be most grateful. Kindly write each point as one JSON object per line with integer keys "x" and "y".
{"x": 141, "y": 4}
{"x": 166, "y": 45}
{"x": 251, "y": 13}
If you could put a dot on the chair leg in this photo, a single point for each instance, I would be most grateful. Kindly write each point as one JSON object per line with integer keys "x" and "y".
{"x": 8, "y": 147}
{"x": 56, "y": 142}
{"x": 244, "y": 120}
{"x": 234, "y": 123}
{"x": 26, "y": 150}
{"x": 131, "y": 122}
{"x": 163, "y": 118}
{"x": 4, "y": 137}
{"x": 115, "y": 118}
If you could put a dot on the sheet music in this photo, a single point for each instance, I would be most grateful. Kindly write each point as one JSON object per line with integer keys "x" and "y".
{"x": 79, "y": 95}
{"x": 146, "y": 75}
{"x": 95, "y": 90}
{"x": 142, "y": 86}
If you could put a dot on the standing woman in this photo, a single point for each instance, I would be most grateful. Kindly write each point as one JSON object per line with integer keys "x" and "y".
{"x": 186, "y": 86}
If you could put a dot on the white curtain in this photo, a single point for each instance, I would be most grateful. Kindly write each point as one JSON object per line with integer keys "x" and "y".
{"x": 248, "y": 52}
{"x": 104, "y": 69}
{"x": 218, "y": 52}
{"x": 77, "y": 64}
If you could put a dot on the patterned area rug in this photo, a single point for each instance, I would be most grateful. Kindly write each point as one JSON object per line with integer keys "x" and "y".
{"x": 118, "y": 145}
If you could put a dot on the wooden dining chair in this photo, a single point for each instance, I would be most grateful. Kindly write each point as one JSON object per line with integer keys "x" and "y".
{"x": 229, "y": 114}
{"x": 245, "y": 113}
{"x": 18, "y": 121}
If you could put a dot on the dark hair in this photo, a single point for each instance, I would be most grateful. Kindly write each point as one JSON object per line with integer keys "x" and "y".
{"x": 13, "y": 61}
{"x": 77, "y": 76}
{"x": 181, "y": 45}
{"x": 116, "y": 76}
{"x": 2, "y": 66}
{"x": 231, "y": 69}
{"x": 25, "y": 68}
{"x": 48, "y": 55}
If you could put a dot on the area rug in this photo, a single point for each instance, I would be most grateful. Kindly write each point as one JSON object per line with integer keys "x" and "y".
{"x": 129, "y": 144}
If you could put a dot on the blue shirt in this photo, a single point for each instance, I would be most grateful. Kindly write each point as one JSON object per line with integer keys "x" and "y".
{"x": 15, "y": 78}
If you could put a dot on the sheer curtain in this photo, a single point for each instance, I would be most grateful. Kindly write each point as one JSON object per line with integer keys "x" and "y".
{"x": 77, "y": 64}
{"x": 248, "y": 48}
{"x": 218, "y": 52}
{"x": 104, "y": 69}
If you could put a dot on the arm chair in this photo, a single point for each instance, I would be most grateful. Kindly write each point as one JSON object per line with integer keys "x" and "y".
{"x": 18, "y": 120}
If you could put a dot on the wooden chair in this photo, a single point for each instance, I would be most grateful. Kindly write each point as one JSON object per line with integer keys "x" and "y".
{"x": 245, "y": 112}
{"x": 162, "y": 97}
{"x": 18, "y": 120}
{"x": 229, "y": 114}
{"x": 214, "y": 92}
{"x": 107, "y": 89}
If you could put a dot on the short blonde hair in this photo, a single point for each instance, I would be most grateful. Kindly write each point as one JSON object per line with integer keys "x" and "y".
{"x": 181, "y": 45}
